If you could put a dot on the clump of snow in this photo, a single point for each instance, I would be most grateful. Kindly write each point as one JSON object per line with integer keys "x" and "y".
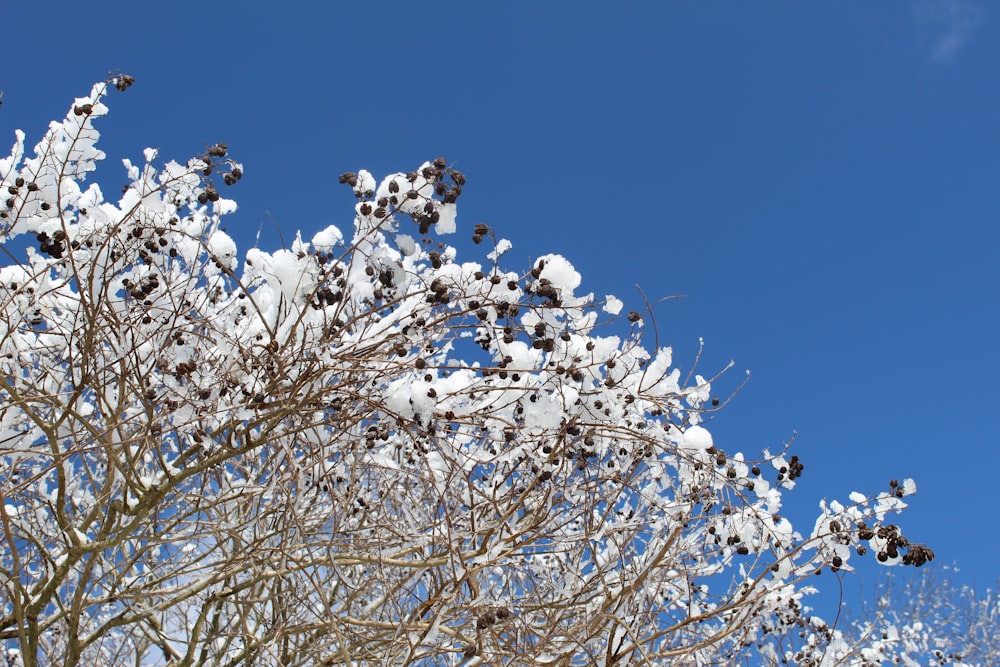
{"x": 225, "y": 206}
{"x": 324, "y": 240}
{"x": 503, "y": 245}
{"x": 446, "y": 222}
{"x": 407, "y": 245}
{"x": 365, "y": 185}
{"x": 696, "y": 438}
{"x": 288, "y": 269}
{"x": 612, "y": 304}
{"x": 222, "y": 246}
{"x": 558, "y": 271}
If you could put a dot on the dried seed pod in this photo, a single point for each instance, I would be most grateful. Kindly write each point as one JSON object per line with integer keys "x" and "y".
{"x": 123, "y": 82}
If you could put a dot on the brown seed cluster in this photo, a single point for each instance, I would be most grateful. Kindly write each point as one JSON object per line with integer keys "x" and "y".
{"x": 492, "y": 616}
{"x": 143, "y": 288}
{"x": 326, "y": 297}
{"x": 439, "y": 292}
{"x": 215, "y": 159}
{"x": 792, "y": 471}
{"x": 479, "y": 232}
{"x": 123, "y": 82}
{"x": 218, "y": 150}
{"x": 15, "y": 191}
{"x": 447, "y": 184}
{"x": 916, "y": 554}
{"x": 53, "y": 246}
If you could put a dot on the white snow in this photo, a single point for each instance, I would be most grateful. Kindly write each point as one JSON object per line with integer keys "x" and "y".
{"x": 446, "y": 221}
{"x": 697, "y": 438}
{"x": 324, "y": 240}
{"x": 612, "y": 304}
{"x": 366, "y": 183}
{"x": 560, "y": 273}
{"x": 222, "y": 246}
{"x": 503, "y": 245}
{"x": 407, "y": 245}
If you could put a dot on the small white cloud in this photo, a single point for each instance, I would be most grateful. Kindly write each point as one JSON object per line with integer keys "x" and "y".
{"x": 949, "y": 24}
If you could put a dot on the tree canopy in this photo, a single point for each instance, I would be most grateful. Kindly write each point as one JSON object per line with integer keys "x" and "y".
{"x": 361, "y": 450}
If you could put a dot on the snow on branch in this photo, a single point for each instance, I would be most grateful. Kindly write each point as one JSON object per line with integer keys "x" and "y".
{"x": 362, "y": 450}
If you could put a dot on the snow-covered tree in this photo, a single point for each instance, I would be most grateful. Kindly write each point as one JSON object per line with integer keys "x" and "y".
{"x": 929, "y": 619}
{"x": 361, "y": 450}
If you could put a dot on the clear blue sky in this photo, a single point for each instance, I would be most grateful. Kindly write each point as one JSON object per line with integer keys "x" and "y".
{"x": 820, "y": 180}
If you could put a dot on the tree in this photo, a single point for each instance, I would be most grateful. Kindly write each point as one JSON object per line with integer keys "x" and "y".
{"x": 930, "y": 620}
{"x": 363, "y": 451}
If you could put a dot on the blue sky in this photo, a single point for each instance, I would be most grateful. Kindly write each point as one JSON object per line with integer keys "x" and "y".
{"x": 818, "y": 180}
